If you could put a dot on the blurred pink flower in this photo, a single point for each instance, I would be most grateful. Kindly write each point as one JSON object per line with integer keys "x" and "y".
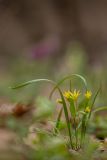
{"x": 45, "y": 48}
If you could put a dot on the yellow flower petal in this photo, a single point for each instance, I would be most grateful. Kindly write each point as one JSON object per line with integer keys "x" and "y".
{"x": 87, "y": 110}
{"x": 72, "y": 95}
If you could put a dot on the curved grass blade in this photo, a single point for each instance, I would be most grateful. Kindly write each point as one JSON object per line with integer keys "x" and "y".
{"x": 70, "y": 86}
{"x": 94, "y": 100}
{"x": 99, "y": 109}
{"x": 30, "y": 82}
{"x": 67, "y": 78}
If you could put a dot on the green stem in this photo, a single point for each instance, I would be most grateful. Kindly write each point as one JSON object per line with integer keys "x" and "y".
{"x": 58, "y": 121}
{"x": 76, "y": 136}
{"x": 66, "y": 117}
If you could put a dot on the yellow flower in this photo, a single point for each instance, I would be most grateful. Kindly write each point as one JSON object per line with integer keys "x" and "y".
{"x": 75, "y": 94}
{"x": 87, "y": 110}
{"x": 72, "y": 95}
{"x": 59, "y": 101}
{"x": 88, "y": 94}
{"x": 67, "y": 95}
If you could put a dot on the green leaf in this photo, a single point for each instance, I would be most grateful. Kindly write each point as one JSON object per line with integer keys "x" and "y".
{"x": 79, "y": 125}
{"x": 95, "y": 97}
{"x": 31, "y": 82}
{"x": 99, "y": 109}
{"x": 83, "y": 128}
{"x": 66, "y": 116}
{"x": 92, "y": 105}
{"x": 58, "y": 121}
{"x": 72, "y": 108}
{"x": 82, "y": 112}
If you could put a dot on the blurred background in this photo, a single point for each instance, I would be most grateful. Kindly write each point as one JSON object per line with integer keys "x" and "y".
{"x": 51, "y": 39}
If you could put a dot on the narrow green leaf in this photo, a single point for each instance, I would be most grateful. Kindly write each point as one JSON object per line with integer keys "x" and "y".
{"x": 79, "y": 125}
{"x": 66, "y": 116}
{"x": 99, "y": 109}
{"x": 83, "y": 128}
{"x": 58, "y": 121}
{"x": 70, "y": 86}
{"x": 95, "y": 97}
{"x": 30, "y": 82}
{"x": 92, "y": 105}
{"x": 82, "y": 112}
{"x": 72, "y": 108}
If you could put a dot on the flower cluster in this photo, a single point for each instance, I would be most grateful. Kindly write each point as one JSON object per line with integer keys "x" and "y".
{"x": 69, "y": 96}
{"x": 72, "y": 95}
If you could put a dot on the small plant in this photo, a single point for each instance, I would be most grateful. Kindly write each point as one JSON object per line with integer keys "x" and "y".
{"x": 77, "y": 106}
